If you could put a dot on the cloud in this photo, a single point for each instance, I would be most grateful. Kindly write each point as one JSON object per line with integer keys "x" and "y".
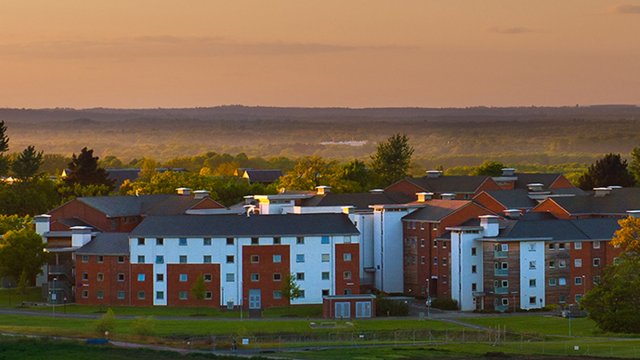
{"x": 627, "y": 9}
{"x": 177, "y": 46}
{"x": 514, "y": 30}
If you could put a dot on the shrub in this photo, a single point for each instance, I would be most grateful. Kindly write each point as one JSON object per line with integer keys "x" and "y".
{"x": 387, "y": 307}
{"x": 444, "y": 304}
{"x": 143, "y": 326}
{"x": 106, "y": 323}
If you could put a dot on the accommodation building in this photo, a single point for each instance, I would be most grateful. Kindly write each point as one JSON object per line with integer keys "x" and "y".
{"x": 444, "y": 186}
{"x": 609, "y": 201}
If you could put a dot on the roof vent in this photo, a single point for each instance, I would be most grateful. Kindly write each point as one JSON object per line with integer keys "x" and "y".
{"x": 512, "y": 213}
{"x": 432, "y": 174}
{"x": 535, "y": 187}
{"x": 200, "y": 194}
{"x": 376, "y": 191}
{"x": 322, "y": 190}
{"x": 601, "y": 191}
{"x": 424, "y": 196}
{"x": 184, "y": 191}
{"x": 508, "y": 171}
{"x": 448, "y": 196}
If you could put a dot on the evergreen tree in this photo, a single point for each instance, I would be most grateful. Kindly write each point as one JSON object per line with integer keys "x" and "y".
{"x": 290, "y": 288}
{"x": 634, "y": 166}
{"x": 392, "y": 159}
{"x": 489, "y": 168}
{"x": 610, "y": 170}
{"x": 27, "y": 164}
{"x": 85, "y": 171}
{"x": 4, "y": 147}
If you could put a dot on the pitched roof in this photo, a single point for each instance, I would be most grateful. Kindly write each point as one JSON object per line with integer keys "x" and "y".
{"x": 449, "y": 183}
{"x": 360, "y": 201}
{"x": 106, "y": 244}
{"x": 120, "y": 175}
{"x": 266, "y": 176}
{"x": 513, "y": 199}
{"x": 616, "y": 202}
{"x": 241, "y": 225}
{"x": 159, "y": 204}
{"x": 560, "y": 230}
{"x": 530, "y": 178}
{"x": 436, "y": 210}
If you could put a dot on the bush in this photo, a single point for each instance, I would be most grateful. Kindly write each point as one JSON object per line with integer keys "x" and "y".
{"x": 106, "y": 323}
{"x": 444, "y": 304}
{"x": 143, "y": 326}
{"x": 387, "y": 307}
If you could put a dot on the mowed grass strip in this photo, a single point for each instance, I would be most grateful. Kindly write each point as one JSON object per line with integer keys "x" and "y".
{"x": 13, "y": 298}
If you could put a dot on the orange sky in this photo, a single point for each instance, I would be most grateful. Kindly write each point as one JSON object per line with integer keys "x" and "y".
{"x": 358, "y": 53}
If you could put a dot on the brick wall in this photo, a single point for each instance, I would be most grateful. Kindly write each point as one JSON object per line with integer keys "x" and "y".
{"x": 265, "y": 268}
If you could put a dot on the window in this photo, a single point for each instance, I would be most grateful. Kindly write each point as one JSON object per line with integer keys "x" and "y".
{"x": 140, "y": 241}
{"x": 230, "y": 277}
{"x": 159, "y": 259}
{"x": 100, "y": 259}
{"x": 255, "y": 241}
{"x": 435, "y": 243}
{"x": 505, "y": 301}
{"x": 577, "y": 245}
{"x": 552, "y": 282}
{"x": 207, "y": 277}
{"x": 421, "y": 226}
{"x": 120, "y": 295}
{"x": 277, "y": 240}
{"x": 85, "y": 276}
{"x": 159, "y": 277}
{"x": 474, "y": 251}
{"x": 532, "y": 265}
{"x": 277, "y": 295}
{"x": 120, "y": 259}
{"x": 277, "y": 276}
{"x": 325, "y": 275}
{"x": 159, "y": 241}
{"x": 85, "y": 294}
{"x": 422, "y": 242}
{"x": 120, "y": 277}
{"x": 325, "y": 292}
{"x": 532, "y": 300}
{"x": 577, "y": 263}
{"x": 552, "y": 264}
{"x": 140, "y": 259}
{"x": 300, "y": 276}
{"x": 183, "y": 259}
{"x": 444, "y": 261}
{"x": 325, "y": 257}
{"x": 474, "y": 269}
{"x": 300, "y": 240}
{"x": 346, "y": 256}
{"x": 577, "y": 280}
{"x": 596, "y": 279}
{"x": 596, "y": 262}
{"x": 230, "y": 241}
{"x": 346, "y": 275}
{"x": 532, "y": 247}
{"x": 561, "y": 246}
{"x": 299, "y": 258}
{"x": 255, "y": 277}
{"x": 182, "y": 242}
{"x": 552, "y": 246}
{"x": 474, "y": 287}
{"x": 230, "y": 259}
{"x": 277, "y": 259}
{"x": 578, "y": 297}
{"x": 206, "y": 259}
{"x": 183, "y": 295}
{"x": 504, "y": 247}
{"x": 504, "y": 265}
{"x": 255, "y": 259}
{"x": 423, "y": 259}
{"x": 100, "y": 294}
{"x": 435, "y": 260}
{"x": 562, "y": 263}
{"x": 141, "y": 277}
{"x": 208, "y": 295}
{"x": 141, "y": 295}
{"x": 505, "y": 283}
{"x": 85, "y": 258}
{"x": 532, "y": 283}
{"x": 159, "y": 295}
{"x": 347, "y": 292}
{"x": 562, "y": 281}
{"x": 596, "y": 244}
{"x": 324, "y": 240}
{"x": 444, "y": 244}
{"x": 184, "y": 277}
{"x": 206, "y": 241}
{"x": 562, "y": 299}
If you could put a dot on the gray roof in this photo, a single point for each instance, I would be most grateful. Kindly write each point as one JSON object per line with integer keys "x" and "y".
{"x": 266, "y": 176}
{"x": 449, "y": 183}
{"x": 106, "y": 244}
{"x": 120, "y": 175}
{"x": 513, "y": 199}
{"x": 526, "y": 178}
{"x": 160, "y": 204}
{"x": 436, "y": 210}
{"x": 560, "y": 230}
{"x": 360, "y": 201}
{"x": 617, "y": 202}
{"x": 241, "y": 225}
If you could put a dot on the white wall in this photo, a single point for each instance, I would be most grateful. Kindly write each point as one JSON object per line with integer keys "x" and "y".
{"x": 388, "y": 249}
{"x": 462, "y": 260}
{"x": 532, "y": 251}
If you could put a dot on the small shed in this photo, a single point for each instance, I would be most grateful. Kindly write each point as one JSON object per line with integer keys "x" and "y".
{"x": 361, "y": 306}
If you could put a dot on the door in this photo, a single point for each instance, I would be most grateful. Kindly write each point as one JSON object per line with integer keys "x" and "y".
{"x": 363, "y": 309}
{"x": 255, "y": 299}
{"x": 343, "y": 310}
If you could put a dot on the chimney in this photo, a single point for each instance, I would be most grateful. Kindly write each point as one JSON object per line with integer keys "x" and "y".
{"x": 512, "y": 213}
{"x": 184, "y": 191}
{"x": 432, "y": 174}
{"x": 535, "y": 187}
{"x": 376, "y": 191}
{"x": 248, "y": 199}
{"x": 347, "y": 209}
{"x": 490, "y": 225}
{"x": 424, "y": 196}
{"x": 448, "y": 196}
{"x": 323, "y": 190}
{"x": 508, "y": 172}
{"x": 601, "y": 191}
{"x": 43, "y": 223}
{"x": 200, "y": 194}
{"x": 634, "y": 213}
{"x": 80, "y": 235}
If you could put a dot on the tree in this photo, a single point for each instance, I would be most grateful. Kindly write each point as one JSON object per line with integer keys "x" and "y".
{"x": 21, "y": 251}
{"x": 199, "y": 289}
{"x": 354, "y": 177}
{"x": 308, "y": 173}
{"x": 4, "y": 147}
{"x": 489, "y": 168}
{"x": 290, "y": 288}
{"x": 628, "y": 236}
{"x": 634, "y": 166}
{"x": 107, "y": 322}
{"x": 85, "y": 171}
{"x": 27, "y": 164}
{"x": 392, "y": 159}
{"x": 32, "y": 197}
{"x": 14, "y": 223}
{"x": 111, "y": 162}
{"x": 614, "y": 303}
{"x": 610, "y": 170}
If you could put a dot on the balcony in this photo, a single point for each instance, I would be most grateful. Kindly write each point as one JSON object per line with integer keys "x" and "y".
{"x": 501, "y": 272}
{"x": 500, "y": 254}
{"x": 501, "y": 290}
{"x": 59, "y": 269}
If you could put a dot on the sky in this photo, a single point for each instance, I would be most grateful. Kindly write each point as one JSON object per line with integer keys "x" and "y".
{"x": 346, "y": 53}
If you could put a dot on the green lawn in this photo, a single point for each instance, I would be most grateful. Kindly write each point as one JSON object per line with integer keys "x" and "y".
{"x": 12, "y": 298}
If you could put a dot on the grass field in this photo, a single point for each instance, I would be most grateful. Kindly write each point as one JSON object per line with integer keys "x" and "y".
{"x": 12, "y": 298}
